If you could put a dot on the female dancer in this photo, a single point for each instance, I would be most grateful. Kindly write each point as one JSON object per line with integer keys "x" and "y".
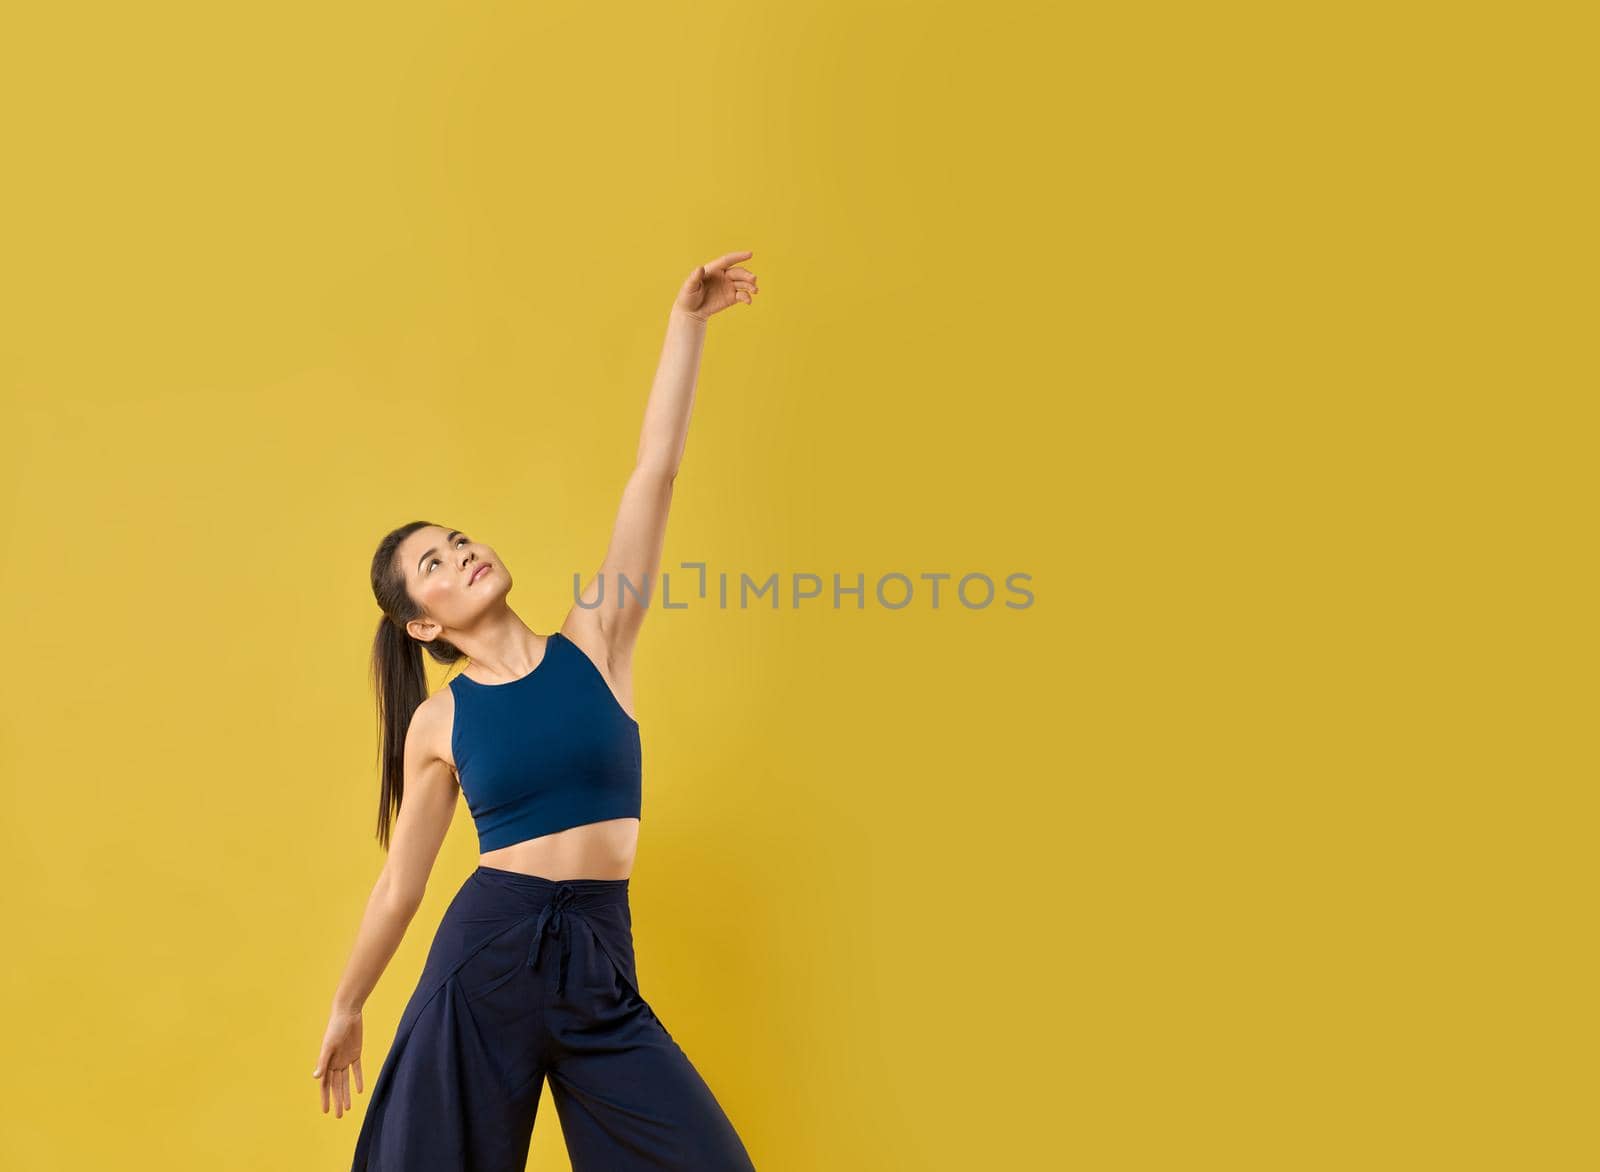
{"x": 531, "y": 972}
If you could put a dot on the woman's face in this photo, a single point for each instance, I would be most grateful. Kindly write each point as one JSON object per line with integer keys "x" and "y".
{"x": 452, "y": 577}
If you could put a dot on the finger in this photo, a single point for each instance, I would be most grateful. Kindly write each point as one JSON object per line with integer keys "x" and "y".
{"x": 747, "y": 286}
{"x": 742, "y": 273}
{"x": 344, "y": 1091}
{"x": 359, "y": 1087}
{"x": 324, "y": 1096}
{"x": 726, "y": 259}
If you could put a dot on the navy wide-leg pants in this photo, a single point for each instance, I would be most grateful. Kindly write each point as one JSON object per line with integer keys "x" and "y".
{"x": 528, "y": 979}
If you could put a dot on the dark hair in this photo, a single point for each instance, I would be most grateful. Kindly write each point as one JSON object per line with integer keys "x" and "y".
{"x": 397, "y": 673}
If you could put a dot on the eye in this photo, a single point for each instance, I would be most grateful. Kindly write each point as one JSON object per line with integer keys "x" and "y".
{"x": 435, "y": 561}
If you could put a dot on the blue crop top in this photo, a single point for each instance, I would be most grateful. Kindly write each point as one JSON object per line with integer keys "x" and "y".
{"x": 546, "y": 752}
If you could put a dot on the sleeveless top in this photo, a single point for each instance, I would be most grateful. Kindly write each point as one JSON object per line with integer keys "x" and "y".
{"x": 545, "y": 752}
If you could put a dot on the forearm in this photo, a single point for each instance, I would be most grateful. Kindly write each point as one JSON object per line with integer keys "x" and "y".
{"x": 383, "y": 926}
{"x": 666, "y": 415}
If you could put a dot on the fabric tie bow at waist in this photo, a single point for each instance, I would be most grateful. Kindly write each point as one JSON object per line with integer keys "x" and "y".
{"x": 550, "y": 918}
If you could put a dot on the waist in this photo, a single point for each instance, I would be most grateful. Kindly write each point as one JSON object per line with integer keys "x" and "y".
{"x": 587, "y": 892}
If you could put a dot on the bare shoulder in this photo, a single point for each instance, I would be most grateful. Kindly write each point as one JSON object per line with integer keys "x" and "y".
{"x": 431, "y": 724}
{"x": 584, "y": 628}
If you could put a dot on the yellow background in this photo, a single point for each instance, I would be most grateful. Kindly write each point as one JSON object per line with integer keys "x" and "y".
{"x": 1256, "y": 334}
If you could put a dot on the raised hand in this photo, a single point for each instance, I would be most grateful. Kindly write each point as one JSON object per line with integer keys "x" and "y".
{"x": 341, "y": 1050}
{"x": 713, "y": 287}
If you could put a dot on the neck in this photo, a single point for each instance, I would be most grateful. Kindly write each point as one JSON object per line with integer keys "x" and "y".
{"x": 501, "y": 644}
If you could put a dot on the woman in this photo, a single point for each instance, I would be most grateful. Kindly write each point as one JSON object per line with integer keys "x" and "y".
{"x": 531, "y": 972}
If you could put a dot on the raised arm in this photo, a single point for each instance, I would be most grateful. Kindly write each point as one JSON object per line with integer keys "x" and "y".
{"x": 419, "y": 830}
{"x": 626, "y": 581}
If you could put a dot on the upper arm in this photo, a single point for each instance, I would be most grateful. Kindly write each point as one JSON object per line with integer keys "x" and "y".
{"x": 428, "y": 802}
{"x": 627, "y": 579}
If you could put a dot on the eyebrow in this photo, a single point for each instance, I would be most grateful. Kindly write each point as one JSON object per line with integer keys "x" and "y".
{"x": 454, "y": 533}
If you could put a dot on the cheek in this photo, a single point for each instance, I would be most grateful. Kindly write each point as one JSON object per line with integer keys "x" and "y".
{"x": 439, "y": 598}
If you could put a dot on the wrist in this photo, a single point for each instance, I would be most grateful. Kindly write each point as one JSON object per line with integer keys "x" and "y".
{"x": 346, "y": 1009}
{"x": 688, "y": 315}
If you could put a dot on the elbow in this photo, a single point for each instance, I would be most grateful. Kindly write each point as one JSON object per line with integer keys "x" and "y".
{"x": 658, "y": 470}
{"x": 400, "y": 895}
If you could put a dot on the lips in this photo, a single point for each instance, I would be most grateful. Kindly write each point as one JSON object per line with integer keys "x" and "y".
{"x": 479, "y": 572}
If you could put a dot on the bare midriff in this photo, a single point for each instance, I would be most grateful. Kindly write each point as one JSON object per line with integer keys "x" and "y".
{"x": 599, "y": 850}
